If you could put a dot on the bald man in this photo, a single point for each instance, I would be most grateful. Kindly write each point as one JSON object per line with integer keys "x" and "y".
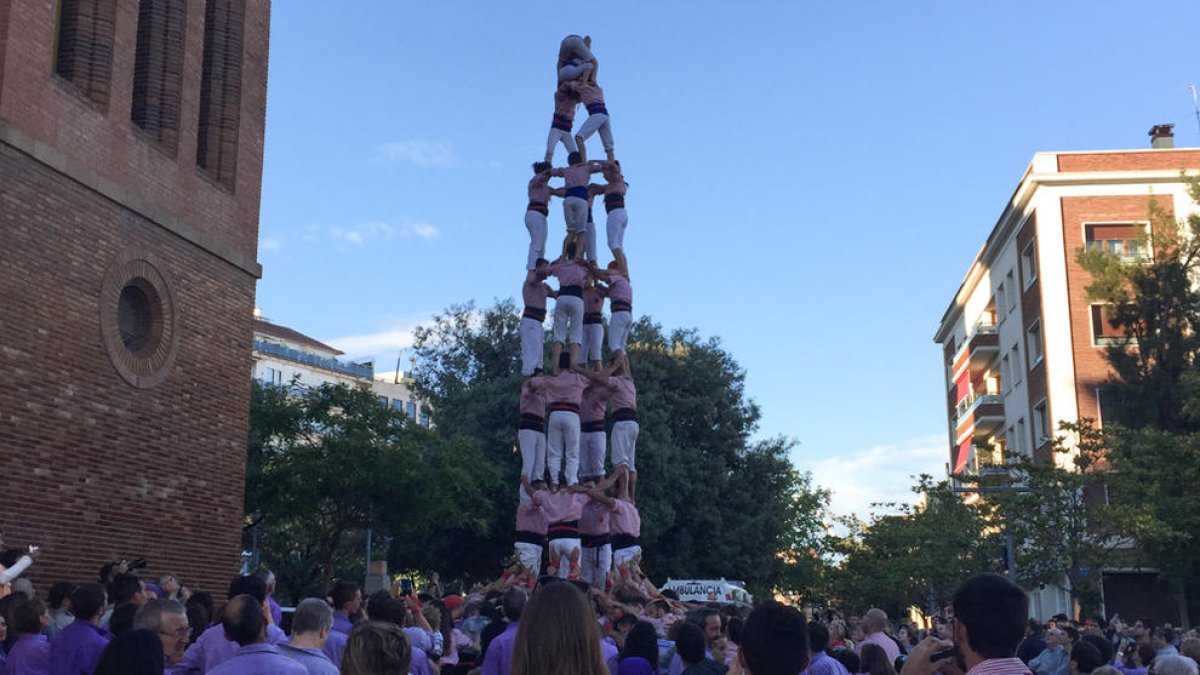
{"x": 876, "y": 624}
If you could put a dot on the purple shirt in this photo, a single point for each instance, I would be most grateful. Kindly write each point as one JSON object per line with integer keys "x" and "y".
{"x": 29, "y": 656}
{"x": 341, "y": 624}
{"x": 421, "y": 665}
{"x": 77, "y": 649}
{"x": 259, "y": 659}
{"x": 822, "y": 664}
{"x": 212, "y": 649}
{"x": 887, "y": 644}
{"x": 276, "y": 611}
{"x": 498, "y": 659}
{"x": 335, "y": 644}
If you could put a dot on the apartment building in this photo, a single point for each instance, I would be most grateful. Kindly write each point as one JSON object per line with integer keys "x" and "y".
{"x": 1023, "y": 347}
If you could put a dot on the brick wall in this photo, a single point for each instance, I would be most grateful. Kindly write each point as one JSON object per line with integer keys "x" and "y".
{"x": 93, "y": 465}
{"x": 1168, "y": 160}
{"x": 1091, "y": 368}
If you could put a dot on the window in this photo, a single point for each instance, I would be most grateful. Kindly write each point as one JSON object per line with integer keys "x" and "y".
{"x": 1126, "y": 241}
{"x": 1000, "y": 299}
{"x": 273, "y": 376}
{"x": 1041, "y": 424}
{"x": 1029, "y": 264}
{"x": 1010, "y": 439}
{"x": 1005, "y": 374}
{"x": 411, "y": 409}
{"x": 1016, "y": 365}
{"x": 1106, "y": 403}
{"x": 424, "y": 417}
{"x": 383, "y": 401}
{"x": 1033, "y": 344}
{"x": 221, "y": 89}
{"x": 397, "y": 404}
{"x": 1010, "y": 291}
{"x": 158, "y": 69}
{"x": 83, "y": 54}
{"x": 1021, "y": 434}
{"x": 1103, "y": 331}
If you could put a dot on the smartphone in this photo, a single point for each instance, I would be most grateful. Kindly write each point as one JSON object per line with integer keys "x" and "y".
{"x": 406, "y": 586}
{"x": 943, "y": 654}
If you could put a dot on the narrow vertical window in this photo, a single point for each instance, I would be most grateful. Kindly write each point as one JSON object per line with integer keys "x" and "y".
{"x": 221, "y": 89}
{"x": 158, "y": 69}
{"x": 83, "y": 53}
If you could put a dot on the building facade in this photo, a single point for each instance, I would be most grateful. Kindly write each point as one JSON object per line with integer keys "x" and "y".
{"x": 131, "y": 144}
{"x": 1022, "y": 346}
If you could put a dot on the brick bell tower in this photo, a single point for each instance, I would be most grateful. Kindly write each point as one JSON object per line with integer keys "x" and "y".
{"x": 131, "y": 146}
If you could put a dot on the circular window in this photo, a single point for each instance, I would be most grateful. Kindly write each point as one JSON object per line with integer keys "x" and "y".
{"x": 137, "y": 322}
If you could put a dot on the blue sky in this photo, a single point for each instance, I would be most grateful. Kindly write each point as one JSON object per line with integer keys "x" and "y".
{"x": 808, "y": 181}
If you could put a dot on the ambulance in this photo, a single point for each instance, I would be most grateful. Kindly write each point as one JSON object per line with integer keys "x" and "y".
{"x": 709, "y": 590}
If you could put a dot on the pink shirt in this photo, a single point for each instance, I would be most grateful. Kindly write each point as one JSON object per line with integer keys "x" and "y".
{"x": 569, "y": 273}
{"x": 566, "y": 387}
{"x": 535, "y": 294}
{"x": 619, "y": 288}
{"x": 625, "y": 519}
{"x": 561, "y": 506}
{"x": 593, "y": 299}
{"x": 564, "y": 105}
{"x": 533, "y": 397}
{"x": 576, "y": 175}
{"x": 531, "y": 517}
{"x": 595, "y": 400}
{"x": 539, "y": 189}
{"x": 590, "y": 93}
{"x": 621, "y": 392}
{"x": 884, "y": 642}
{"x": 594, "y": 519}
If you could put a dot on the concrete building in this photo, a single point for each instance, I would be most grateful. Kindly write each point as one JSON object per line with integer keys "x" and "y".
{"x": 1022, "y": 345}
{"x": 131, "y": 144}
{"x": 287, "y": 357}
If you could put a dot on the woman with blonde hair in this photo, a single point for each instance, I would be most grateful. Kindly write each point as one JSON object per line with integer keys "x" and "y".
{"x": 376, "y": 648}
{"x": 558, "y": 635}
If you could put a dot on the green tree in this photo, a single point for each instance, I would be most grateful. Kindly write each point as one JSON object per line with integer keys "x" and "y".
{"x": 325, "y": 463}
{"x": 712, "y": 502}
{"x": 915, "y": 556}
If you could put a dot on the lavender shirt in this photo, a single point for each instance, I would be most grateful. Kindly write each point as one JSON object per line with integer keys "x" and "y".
{"x": 29, "y": 656}
{"x": 212, "y": 649}
{"x": 335, "y": 644}
{"x": 77, "y": 648}
{"x": 259, "y": 659}
{"x": 276, "y": 610}
{"x": 498, "y": 660}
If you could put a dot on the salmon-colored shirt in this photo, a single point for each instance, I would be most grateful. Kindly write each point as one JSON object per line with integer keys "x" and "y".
{"x": 625, "y": 519}
{"x": 539, "y": 188}
{"x": 595, "y": 400}
{"x": 621, "y": 392}
{"x": 533, "y": 398}
{"x": 566, "y": 387}
{"x": 619, "y": 288}
{"x": 595, "y": 518}
{"x": 531, "y": 517}
{"x": 561, "y": 506}
{"x": 569, "y": 272}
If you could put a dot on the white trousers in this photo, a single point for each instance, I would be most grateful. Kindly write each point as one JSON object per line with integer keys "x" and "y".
{"x": 533, "y": 456}
{"x": 535, "y": 222}
{"x": 560, "y": 554}
{"x": 592, "y": 450}
{"x": 589, "y": 239}
{"x": 597, "y": 122}
{"x": 595, "y": 564}
{"x": 573, "y": 72}
{"x": 593, "y": 341}
{"x": 532, "y": 348}
{"x": 559, "y": 136}
{"x": 568, "y": 319}
{"x": 529, "y": 555}
{"x": 618, "y": 330}
{"x": 624, "y": 444}
{"x": 562, "y": 437}
{"x": 575, "y": 213}
{"x": 624, "y": 555}
{"x": 618, "y": 219}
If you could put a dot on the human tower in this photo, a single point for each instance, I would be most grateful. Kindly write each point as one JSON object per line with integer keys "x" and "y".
{"x": 582, "y": 517}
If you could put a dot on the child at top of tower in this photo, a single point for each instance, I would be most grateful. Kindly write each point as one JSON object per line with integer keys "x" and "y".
{"x": 575, "y": 59}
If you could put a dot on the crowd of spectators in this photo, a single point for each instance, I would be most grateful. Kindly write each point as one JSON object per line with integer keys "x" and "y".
{"x": 123, "y": 624}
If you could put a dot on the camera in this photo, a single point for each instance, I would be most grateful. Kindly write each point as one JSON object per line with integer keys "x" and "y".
{"x": 138, "y": 564}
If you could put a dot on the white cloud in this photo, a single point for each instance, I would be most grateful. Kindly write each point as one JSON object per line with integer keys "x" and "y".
{"x": 386, "y": 346}
{"x": 421, "y": 152}
{"x": 271, "y": 243}
{"x": 882, "y": 473}
{"x": 364, "y": 233}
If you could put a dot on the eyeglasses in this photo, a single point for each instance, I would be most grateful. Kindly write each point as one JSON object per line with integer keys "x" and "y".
{"x": 178, "y": 632}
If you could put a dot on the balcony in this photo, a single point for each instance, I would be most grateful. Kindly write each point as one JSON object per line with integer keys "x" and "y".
{"x": 365, "y": 371}
{"x": 979, "y": 413}
{"x": 978, "y": 350}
